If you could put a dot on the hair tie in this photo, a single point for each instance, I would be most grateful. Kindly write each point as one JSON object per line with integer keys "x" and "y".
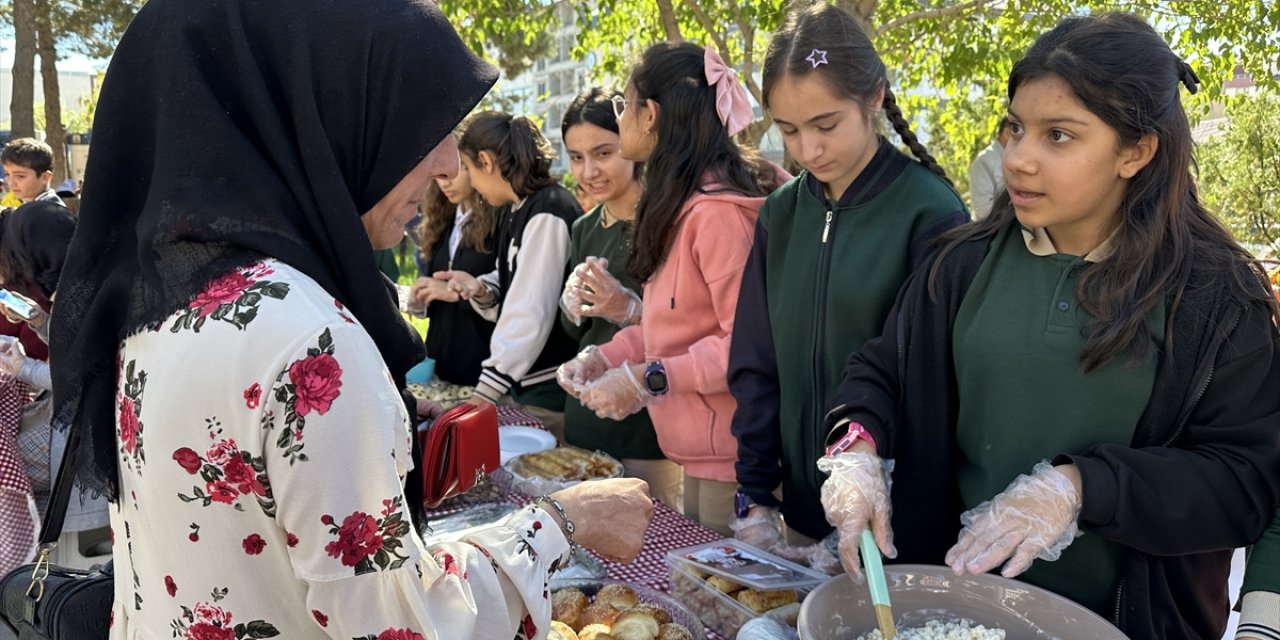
{"x": 732, "y": 103}
{"x": 1188, "y": 77}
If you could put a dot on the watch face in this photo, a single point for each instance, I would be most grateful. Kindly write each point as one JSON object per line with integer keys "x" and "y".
{"x": 656, "y": 381}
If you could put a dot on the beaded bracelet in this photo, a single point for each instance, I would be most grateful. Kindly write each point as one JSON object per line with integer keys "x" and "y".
{"x": 568, "y": 526}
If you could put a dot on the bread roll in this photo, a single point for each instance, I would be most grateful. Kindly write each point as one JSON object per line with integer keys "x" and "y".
{"x": 597, "y": 613}
{"x": 635, "y": 625}
{"x": 619, "y": 595}
{"x": 561, "y": 631}
{"x": 567, "y": 606}
{"x": 671, "y": 631}
{"x": 654, "y": 610}
{"x": 595, "y": 632}
{"x": 762, "y": 601}
{"x": 724, "y": 585}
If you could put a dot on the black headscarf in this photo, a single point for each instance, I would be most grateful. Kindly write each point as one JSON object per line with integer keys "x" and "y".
{"x": 231, "y": 130}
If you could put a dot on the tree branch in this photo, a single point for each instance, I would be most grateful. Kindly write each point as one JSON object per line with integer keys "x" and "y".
{"x": 670, "y": 25}
{"x": 928, "y": 14}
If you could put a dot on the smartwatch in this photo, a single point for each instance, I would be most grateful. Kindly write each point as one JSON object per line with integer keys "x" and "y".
{"x": 655, "y": 378}
{"x": 855, "y": 433}
{"x": 742, "y": 504}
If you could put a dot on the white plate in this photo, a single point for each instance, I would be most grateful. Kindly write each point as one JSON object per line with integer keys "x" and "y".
{"x": 516, "y": 441}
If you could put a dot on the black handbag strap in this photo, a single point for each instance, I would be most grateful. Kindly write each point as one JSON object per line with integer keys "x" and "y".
{"x": 55, "y": 514}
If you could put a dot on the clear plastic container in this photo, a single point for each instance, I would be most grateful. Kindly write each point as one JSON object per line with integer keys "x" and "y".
{"x": 746, "y": 565}
{"x": 719, "y": 610}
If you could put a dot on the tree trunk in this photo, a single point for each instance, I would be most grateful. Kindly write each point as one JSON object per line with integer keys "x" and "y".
{"x": 55, "y": 133}
{"x": 22, "y": 104}
{"x": 670, "y": 25}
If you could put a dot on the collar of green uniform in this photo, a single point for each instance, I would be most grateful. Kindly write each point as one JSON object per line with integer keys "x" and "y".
{"x": 885, "y": 167}
{"x": 1040, "y": 244}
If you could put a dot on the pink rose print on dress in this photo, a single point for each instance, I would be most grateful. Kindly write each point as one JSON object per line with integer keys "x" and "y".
{"x": 253, "y": 395}
{"x": 254, "y": 544}
{"x": 207, "y": 621}
{"x": 317, "y": 380}
{"x": 170, "y": 586}
{"x": 313, "y": 383}
{"x": 224, "y": 289}
{"x": 393, "y": 634}
{"x": 527, "y": 627}
{"x": 233, "y": 298}
{"x": 369, "y": 544}
{"x": 188, "y": 459}
{"x": 321, "y": 619}
{"x": 229, "y": 473}
{"x": 128, "y": 422}
{"x": 291, "y": 540}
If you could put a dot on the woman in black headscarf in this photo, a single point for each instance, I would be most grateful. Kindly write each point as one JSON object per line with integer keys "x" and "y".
{"x": 230, "y": 355}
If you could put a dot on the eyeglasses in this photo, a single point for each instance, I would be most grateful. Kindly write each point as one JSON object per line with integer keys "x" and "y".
{"x": 619, "y": 106}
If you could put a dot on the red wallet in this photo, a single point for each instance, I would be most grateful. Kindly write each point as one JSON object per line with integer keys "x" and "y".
{"x": 457, "y": 450}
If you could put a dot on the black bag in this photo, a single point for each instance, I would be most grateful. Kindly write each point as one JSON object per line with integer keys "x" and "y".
{"x": 40, "y": 601}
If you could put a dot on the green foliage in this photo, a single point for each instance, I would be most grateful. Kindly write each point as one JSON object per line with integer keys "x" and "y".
{"x": 517, "y": 32}
{"x": 1240, "y": 169}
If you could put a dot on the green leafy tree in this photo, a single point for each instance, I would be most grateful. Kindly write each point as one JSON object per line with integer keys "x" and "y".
{"x": 960, "y": 50}
{"x": 1240, "y": 169}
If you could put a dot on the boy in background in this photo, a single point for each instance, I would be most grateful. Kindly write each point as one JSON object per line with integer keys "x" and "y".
{"x": 28, "y": 167}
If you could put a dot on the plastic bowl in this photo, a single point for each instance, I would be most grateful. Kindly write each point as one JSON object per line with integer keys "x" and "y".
{"x": 842, "y": 610}
{"x": 679, "y": 614}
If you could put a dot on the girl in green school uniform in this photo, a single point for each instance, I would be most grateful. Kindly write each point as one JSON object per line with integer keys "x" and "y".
{"x": 1087, "y": 377}
{"x": 832, "y": 247}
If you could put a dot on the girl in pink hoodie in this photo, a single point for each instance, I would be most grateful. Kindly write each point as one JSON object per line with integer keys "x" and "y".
{"x": 693, "y": 232}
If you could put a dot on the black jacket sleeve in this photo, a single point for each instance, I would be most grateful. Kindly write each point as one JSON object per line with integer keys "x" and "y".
{"x": 1217, "y": 485}
{"x": 753, "y": 381}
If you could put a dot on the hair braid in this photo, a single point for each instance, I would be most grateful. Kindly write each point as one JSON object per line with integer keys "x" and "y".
{"x": 900, "y": 125}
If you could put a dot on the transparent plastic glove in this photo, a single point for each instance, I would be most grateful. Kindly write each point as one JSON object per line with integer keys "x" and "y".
{"x": 616, "y": 394}
{"x": 571, "y": 297}
{"x": 820, "y": 558}
{"x": 603, "y": 296}
{"x": 761, "y": 528}
{"x": 582, "y": 370}
{"x": 1034, "y": 518}
{"x": 12, "y": 355}
{"x": 855, "y": 497}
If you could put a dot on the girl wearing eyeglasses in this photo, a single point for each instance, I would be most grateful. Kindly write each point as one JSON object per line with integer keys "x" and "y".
{"x": 693, "y": 230}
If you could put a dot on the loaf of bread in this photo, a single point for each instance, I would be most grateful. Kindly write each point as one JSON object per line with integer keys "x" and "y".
{"x": 597, "y": 613}
{"x": 619, "y": 595}
{"x": 723, "y": 585}
{"x": 635, "y": 625}
{"x": 762, "y": 601}
{"x": 567, "y": 606}
{"x": 561, "y": 631}
{"x": 595, "y": 632}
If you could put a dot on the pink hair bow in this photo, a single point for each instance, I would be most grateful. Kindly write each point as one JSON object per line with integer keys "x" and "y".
{"x": 732, "y": 102}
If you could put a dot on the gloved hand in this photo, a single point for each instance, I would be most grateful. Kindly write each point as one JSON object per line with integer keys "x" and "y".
{"x": 571, "y": 297}
{"x": 1035, "y": 517}
{"x": 12, "y": 355}
{"x": 855, "y": 497}
{"x": 583, "y": 369}
{"x": 603, "y": 296}
{"x": 761, "y": 528}
{"x": 616, "y": 394}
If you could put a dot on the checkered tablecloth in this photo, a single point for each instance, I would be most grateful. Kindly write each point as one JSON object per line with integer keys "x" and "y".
{"x": 512, "y": 417}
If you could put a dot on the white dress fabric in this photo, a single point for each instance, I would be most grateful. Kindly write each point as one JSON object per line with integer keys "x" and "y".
{"x": 262, "y": 450}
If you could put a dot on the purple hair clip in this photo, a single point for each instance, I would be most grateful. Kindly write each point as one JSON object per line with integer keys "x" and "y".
{"x": 817, "y": 57}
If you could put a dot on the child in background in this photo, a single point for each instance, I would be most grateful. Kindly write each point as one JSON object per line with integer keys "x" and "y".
{"x": 28, "y": 168}
{"x": 693, "y": 232}
{"x": 456, "y": 233}
{"x": 1086, "y": 377}
{"x": 509, "y": 163}
{"x": 600, "y": 299}
{"x": 832, "y": 248}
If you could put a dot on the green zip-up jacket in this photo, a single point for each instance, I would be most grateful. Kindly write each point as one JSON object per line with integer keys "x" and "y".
{"x": 820, "y": 280}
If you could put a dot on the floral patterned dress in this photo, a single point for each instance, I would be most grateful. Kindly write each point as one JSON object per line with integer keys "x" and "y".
{"x": 262, "y": 450}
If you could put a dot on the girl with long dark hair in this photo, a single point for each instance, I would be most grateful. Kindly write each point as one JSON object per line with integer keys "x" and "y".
{"x": 692, "y": 235}
{"x": 456, "y": 233}
{"x": 1088, "y": 376}
{"x": 832, "y": 248}
{"x": 508, "y": 161}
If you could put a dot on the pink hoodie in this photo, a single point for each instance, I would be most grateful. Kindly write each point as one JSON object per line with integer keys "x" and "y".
{"x": 687, "y": 323}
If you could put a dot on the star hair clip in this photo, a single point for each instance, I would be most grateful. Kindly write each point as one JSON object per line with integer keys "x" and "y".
{"x": 817, "y": 57}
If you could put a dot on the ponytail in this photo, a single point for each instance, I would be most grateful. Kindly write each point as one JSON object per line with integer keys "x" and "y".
{"x": 521, "y": 151}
